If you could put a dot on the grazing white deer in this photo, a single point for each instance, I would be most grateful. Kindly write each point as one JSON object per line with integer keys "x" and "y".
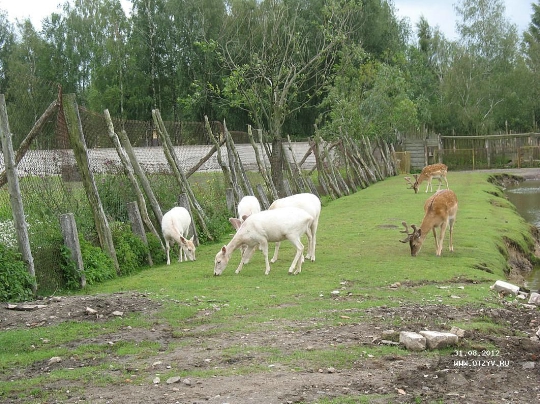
{"x": 438, "y": 171}
{"x": 440, "y": 211}
{"x": 261, "y": 228}
{"x": 174, "y": 226}
{"x": 312, "y": 205}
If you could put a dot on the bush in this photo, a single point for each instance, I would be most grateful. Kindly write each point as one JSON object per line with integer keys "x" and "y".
{"x": 98, "y": 266}
{"x": 15, "y": 281}
{"x": 131, "y": 252}
{"x": 156, "y": 250}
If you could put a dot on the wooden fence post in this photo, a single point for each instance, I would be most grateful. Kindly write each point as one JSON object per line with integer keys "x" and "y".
{"x": 231, "y": 203}
{"x": 76, "y": 138}
{"x": 15, "y": 197}
{"x": 137, "y": 225}
{"x": 71, "y": 240}
{"x": 128, "y": 168}
{"x": 183, "y": 200}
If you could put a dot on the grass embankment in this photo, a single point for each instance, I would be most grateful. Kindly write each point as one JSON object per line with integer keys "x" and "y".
{"x": 358, "y": 254}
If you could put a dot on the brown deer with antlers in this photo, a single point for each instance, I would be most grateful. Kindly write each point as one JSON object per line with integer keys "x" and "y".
{"x": 440, "y": 211}
{"x": 428, "y": 173}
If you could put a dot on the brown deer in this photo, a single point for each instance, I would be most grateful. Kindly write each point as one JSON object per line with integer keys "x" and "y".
{"x": 440, "y": 211}
{"x": 428, "y": 173}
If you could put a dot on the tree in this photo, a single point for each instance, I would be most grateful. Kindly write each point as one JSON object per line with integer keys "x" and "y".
{"x": 531, "y": 50}
{"x": 28, "y": 92}
{"x": 476, "y": 86}
{"x": 277, "y": 64}
{"x": 7, "y": 41}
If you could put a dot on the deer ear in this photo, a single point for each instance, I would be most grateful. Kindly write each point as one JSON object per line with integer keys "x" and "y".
{"x": 236, "y": 223}
{"x": 224, "y": 249}
{"x": 419, "y": 232}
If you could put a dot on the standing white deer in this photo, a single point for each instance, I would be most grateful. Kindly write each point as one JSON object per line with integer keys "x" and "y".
{"x": 312, "y": 205}
{"x": 440, "y": 211}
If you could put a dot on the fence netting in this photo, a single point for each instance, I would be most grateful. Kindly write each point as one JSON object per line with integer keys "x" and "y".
{"x": 212, "y": 159}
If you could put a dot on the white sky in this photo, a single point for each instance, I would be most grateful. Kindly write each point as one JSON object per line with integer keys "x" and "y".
{"x": 437, "y": 12}
{"x": 39, "y": 9}
{"x": 441, "y": 13}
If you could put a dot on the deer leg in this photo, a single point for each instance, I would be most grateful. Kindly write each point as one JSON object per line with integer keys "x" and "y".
{"x": 167, "y": 248}
{"x": 298, "y": 258}
{"x": 181, "y": 255}
{"x": 451, "y": 225}
{"x": 436, "y": 241}
{"x": 428, "y": 186}
{"x": 264, "y": 248}
{"x": 440, "y": 245}
{"x": 311, "y": 231}
{"x": 440, "y": 184}
{"x": 276, "y": 251}
{"x": 245, "y": 258}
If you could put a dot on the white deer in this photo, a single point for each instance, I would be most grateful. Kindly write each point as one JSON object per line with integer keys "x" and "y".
{"x": 312, "y": 205}
{"x": 174, "y": 226}
{"x": 261, "y": 228}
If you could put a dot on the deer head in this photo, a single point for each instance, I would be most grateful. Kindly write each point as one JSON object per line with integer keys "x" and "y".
{"x": 413, "y": 238}
{"x": 412, "y": 185}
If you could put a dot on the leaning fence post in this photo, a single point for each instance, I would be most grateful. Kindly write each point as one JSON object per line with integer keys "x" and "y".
{"x": 15, "y": 197}
{"x": 71, "y": 241}
{"x": 183, "y": 200}
{"x": 70, "y": 111}
{"x": 137, "y": 225}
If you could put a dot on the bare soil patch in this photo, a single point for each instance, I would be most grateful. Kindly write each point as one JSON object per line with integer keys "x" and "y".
{"x": 511, "y": 374}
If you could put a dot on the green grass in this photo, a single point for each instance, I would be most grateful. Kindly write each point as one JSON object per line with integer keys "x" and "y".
{"x": 358, "y": 254}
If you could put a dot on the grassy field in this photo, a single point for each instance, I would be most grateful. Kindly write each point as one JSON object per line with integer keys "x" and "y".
{"x": 358, "y": 255}
{"x": 358, "y": 252}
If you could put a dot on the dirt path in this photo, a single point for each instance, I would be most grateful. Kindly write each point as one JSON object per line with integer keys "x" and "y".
{"x": 511, "y": 374}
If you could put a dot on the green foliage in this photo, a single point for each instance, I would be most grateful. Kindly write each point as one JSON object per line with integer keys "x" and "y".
{"x": 98, "y": 266}
{"x": 15, "y": 281}
{"x": 131, "y": 252}
{"x": 115, "y": 191}
{"x": 72, "y": 275}
{"x": 156, "y": 250}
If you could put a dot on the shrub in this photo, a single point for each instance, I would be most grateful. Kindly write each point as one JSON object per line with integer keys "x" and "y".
{"x": 15, "y": 281}
{"x": 98, "y": 266}
{"x": 131, "y": 252}
{"x": 156, "y": 250}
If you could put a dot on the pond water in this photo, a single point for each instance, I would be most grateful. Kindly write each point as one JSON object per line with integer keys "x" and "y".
{"x": 526, "y": 198}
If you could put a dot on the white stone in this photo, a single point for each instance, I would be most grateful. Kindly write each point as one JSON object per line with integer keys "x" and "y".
{"x": 437, "y": 339}
{"x": 502, "y": 286}
{"x": 534, "y": 299}
{"x": 412, "y": 340}
{"x": 458, "y": 331}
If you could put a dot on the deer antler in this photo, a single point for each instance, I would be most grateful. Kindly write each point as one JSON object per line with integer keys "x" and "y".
{"x": 409, "y": 235}
{"x": 408, "y": 179}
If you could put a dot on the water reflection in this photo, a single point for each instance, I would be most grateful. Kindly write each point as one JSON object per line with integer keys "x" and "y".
{"x": 526, "y": 198}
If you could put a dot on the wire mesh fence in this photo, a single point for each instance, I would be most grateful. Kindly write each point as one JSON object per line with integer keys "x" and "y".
{"x": 209, "y": 157}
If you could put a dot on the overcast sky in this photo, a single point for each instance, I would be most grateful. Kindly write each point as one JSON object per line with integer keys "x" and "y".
{"x": 441, "y": 13}
{"x": 437, "y": 12}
